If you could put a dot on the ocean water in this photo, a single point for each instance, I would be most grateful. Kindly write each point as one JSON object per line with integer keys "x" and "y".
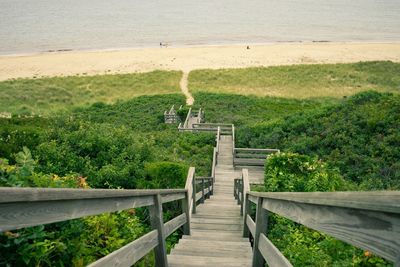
{"x": 46, "y": 25}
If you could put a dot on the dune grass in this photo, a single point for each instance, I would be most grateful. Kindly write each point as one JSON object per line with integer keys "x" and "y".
{"x": 46, "y": 95}
{"x": 300, "y": 81}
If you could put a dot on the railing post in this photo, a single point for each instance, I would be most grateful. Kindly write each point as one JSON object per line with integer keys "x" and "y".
{"x": 186, "y": 210}
{"x": 194, "y": 194}
{"x": 246, "y": 201}
{"x": 202, "y": 190}
{"x": 157, "y": 222}
{"x": 261, "y": 227}
{"x": 212, "y": 186}
{"x": 234, "y": 188}
{"x": 242, "y": 197}
{"x": 238, "y": 191}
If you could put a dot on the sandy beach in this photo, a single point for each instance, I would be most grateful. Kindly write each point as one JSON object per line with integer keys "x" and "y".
{"x": 189, "y": 58}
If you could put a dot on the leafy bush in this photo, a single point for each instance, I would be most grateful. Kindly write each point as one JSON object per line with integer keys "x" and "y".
{"x": 164, "y": 175}
{"x": 292, "y": 172}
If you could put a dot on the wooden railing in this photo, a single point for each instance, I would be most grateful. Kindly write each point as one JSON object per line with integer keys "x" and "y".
{"x": 171, "y": 116}
{"x": 185, "y": 125}
{"x": 26, "y": 207}
{"x": 249, "y": 156}
{"x": 367, "y": 220}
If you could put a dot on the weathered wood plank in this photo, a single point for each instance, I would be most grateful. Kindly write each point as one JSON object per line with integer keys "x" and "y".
{"x": 251, "y": 225}
{"x": 252, "y": 198}
{"x": 261, "y": 227}
{"x": 172, "y": 197}
{"x": 156, "y": 221}
{"x": 248, "y": 162}
{"x": 18, "y": 215}
{"x": 172, "y": 225}
{"x": 130, "y": 253}
{"x": 375, "y": 231}
{"x": 388, "y": 201}
{"x": 246, "y": 189}
{"x": 269, "y": 150}
{"x": 27, "y": 194}
{"x": 187, "y": 212}
{"x": 271, "y": 254}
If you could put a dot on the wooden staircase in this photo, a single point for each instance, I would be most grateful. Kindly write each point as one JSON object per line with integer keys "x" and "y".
{"x": 216, "y": 228}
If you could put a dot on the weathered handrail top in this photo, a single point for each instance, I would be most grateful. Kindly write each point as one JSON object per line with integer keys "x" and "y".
{"x": 384, "y": 201}
{"x": 23, "y": 194}
{"x": 257, "y": 149}
{"x": 215, "y": 124}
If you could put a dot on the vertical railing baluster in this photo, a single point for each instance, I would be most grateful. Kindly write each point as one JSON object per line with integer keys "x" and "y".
{"x": 246, "y": 201}
{"x": 194, "y": 194}
{"x": 202, "y": 190}
{"x": 157, "y": 223}
{"x": 242, "y": 196}
{"x": 186, "y": 210}
{"x": 261, "y": 227}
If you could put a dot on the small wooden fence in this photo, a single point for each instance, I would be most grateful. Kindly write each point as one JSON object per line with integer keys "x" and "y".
{"x": 192, "y": 117}
{"x": 367, "y": 220}
{"x": 25, "y": 207}
{"x": 171, "y": 116}
{"x": 249, "y": 156}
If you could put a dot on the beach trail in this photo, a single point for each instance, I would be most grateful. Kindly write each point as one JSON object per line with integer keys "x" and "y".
{"x": 185, "y": 90}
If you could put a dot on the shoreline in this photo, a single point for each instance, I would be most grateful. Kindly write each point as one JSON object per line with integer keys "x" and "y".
{"x": 187, "y": 58}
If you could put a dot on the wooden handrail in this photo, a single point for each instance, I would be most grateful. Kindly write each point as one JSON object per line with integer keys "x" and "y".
{"x": 368, "y": 220}
{"x": 25, "y": 207}
{"x": 185, "y": 124}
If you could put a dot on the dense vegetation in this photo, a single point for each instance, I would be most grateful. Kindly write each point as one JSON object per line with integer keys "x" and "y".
{"x": 124, "y": 145}
{"x": 360, "y": 136}
{"x": 45, "y": 95}
{"x": 300, "y": 81}
{"x": 292, "y": 172}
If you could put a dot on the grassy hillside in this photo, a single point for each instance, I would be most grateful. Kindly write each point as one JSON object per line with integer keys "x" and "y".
{"x": 360, "y": 136}
{"x": 45, "y": 95}
{"x": 247, "y": 110}
{"x": 300, "y": 81}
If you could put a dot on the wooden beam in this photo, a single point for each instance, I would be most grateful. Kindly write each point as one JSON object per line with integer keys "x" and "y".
{"x": 156, "y": 220}
{"x": 27, "y": 194}
{"x": 375, "y": 231}
{"x": 388, "y": 201}
{"x": 130, "y": 253}
{"x": 18, "y": 215}
{"x": 186, "y": 211}
{"x": 251, "y": 225}
{"x": 271, "y": 254}
{"x": 172, "y": 225}
{"x": 261, "y": 227}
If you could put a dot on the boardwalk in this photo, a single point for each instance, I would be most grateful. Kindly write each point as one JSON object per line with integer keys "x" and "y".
{"x": 216, "y": 228}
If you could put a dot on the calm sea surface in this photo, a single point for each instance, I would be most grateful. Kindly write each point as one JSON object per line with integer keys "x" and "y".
{"x": 43, "y": 25}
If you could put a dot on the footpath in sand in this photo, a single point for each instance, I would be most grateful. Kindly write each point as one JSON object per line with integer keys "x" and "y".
{"x": 190, "y": 58}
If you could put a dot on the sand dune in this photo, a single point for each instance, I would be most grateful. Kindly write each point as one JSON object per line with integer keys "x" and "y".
{"x": 189, "y": 58}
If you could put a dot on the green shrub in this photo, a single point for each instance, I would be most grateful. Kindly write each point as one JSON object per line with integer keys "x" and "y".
{"x": 164, "y": 175}
{"x": 292, "y": 172}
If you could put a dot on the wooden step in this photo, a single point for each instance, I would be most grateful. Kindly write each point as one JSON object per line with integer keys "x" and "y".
{"x": 197, "y": 261}
{"x": 215, "y": 244}
{"x": 212, "y": 252}
{"x": 215, "y": 236}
